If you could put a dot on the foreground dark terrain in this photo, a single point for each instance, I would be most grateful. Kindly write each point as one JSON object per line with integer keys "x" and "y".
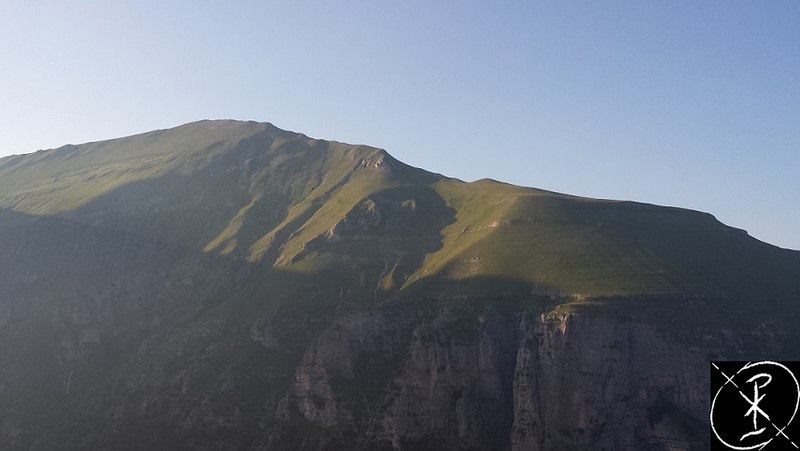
{"x": 229, "y": 285}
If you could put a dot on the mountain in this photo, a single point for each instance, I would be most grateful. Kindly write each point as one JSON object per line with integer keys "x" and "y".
{"x": 230, "y": 285}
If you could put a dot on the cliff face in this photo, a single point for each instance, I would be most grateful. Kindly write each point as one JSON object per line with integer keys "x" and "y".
{"x": 477, "y": 378}
{"x": 228, "y": 285}
{"x": 455, "y": 375}
{"x": 600, "y": 383}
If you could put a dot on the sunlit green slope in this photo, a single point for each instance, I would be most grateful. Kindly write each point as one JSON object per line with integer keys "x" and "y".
{"x": 251, "y": 192}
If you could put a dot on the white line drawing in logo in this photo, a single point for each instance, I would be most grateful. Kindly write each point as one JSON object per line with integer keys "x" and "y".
{"x": 762, "y": 424}
{"x": 754, "y": 409}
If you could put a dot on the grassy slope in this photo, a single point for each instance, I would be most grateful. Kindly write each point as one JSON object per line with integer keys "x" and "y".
{"x": 248, "y": 190}
{"x": 600, "y": 248}
{"x": 58, "y": 180}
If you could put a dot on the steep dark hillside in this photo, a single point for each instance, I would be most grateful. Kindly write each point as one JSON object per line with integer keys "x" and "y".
{"x": 230, "y": 285}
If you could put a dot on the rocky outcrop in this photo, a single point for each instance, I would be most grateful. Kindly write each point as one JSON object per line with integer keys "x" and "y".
{"x": 475, "y": 378}
{"x": 589, "y": 382}
{"x": 454, "y": 388}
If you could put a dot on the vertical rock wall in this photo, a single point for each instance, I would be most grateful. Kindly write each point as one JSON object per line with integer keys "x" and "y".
{"x": 454, "y": 379}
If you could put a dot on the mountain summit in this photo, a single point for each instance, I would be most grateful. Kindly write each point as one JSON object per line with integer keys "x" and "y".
{"x": 230, "y": 285}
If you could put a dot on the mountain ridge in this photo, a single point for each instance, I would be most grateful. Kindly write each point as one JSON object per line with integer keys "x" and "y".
{"x": 7, "y": 160}
{"x": 345, "y": 175}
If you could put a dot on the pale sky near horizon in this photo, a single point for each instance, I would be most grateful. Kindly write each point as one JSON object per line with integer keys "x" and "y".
{"x": 683, "y": 103}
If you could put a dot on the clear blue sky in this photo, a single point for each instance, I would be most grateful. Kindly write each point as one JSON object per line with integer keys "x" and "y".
{"x": 686, "y": 103}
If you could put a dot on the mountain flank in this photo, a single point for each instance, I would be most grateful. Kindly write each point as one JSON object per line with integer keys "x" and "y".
{"x": 230, "y": 285}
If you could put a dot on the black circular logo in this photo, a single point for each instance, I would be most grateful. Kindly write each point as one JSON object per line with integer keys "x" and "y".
{"x": 754, "y": 404}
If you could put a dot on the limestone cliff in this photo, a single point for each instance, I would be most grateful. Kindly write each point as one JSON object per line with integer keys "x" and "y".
{"x": 476, "y": 378}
